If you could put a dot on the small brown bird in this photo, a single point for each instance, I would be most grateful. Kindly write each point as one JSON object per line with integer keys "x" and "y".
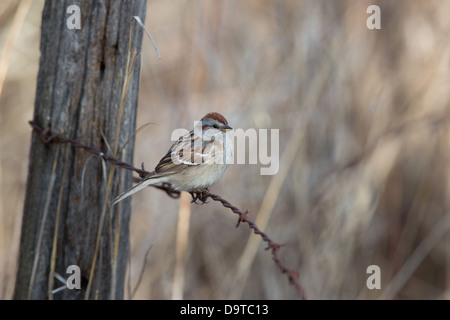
{"x": 196, "y": 161}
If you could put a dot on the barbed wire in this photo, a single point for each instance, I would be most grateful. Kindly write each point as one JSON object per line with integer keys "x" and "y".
{"x": 48, "y": 137}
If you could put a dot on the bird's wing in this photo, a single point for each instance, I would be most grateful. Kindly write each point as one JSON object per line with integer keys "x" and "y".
{"x": 180, "y": 156}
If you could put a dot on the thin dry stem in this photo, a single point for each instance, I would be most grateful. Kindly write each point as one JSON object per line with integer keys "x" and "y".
{"x": 55, "y": 235}
{"x": 184, "y": 214}
{"x": 13, "y": 34}
{"x": 44, "y": 218}
{"x": 141, "y": 273}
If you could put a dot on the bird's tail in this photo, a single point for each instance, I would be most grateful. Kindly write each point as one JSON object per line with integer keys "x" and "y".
{"x": 141, "y": 185}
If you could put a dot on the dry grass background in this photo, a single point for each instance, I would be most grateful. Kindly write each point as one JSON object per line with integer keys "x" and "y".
{"x": 364, "y": 144}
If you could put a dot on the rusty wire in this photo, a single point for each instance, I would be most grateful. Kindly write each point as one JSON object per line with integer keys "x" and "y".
{"x": 48, "y": 137}
{"x": 272, "y": 245}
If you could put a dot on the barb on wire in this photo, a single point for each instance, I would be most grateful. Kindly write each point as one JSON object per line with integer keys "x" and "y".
{"x": 47, "y": 137}
{"x": 271, "y": 245}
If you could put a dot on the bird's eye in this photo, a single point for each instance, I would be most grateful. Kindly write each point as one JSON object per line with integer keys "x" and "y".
{"x": 215, "y": 126}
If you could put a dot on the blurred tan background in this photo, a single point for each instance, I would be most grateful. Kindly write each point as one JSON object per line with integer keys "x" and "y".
{"x": 364, "y": 146}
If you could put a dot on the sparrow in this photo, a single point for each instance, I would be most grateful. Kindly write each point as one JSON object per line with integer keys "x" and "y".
{"x": 195, "y": 162}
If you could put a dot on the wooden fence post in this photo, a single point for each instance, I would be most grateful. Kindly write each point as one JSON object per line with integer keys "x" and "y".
{"x": 79, "y": 90}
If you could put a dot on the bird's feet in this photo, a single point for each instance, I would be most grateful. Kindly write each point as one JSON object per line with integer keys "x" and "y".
{"x": 199, "y": 194}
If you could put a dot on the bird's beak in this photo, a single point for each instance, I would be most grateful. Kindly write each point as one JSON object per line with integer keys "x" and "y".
{"x": 226, "y": 128}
